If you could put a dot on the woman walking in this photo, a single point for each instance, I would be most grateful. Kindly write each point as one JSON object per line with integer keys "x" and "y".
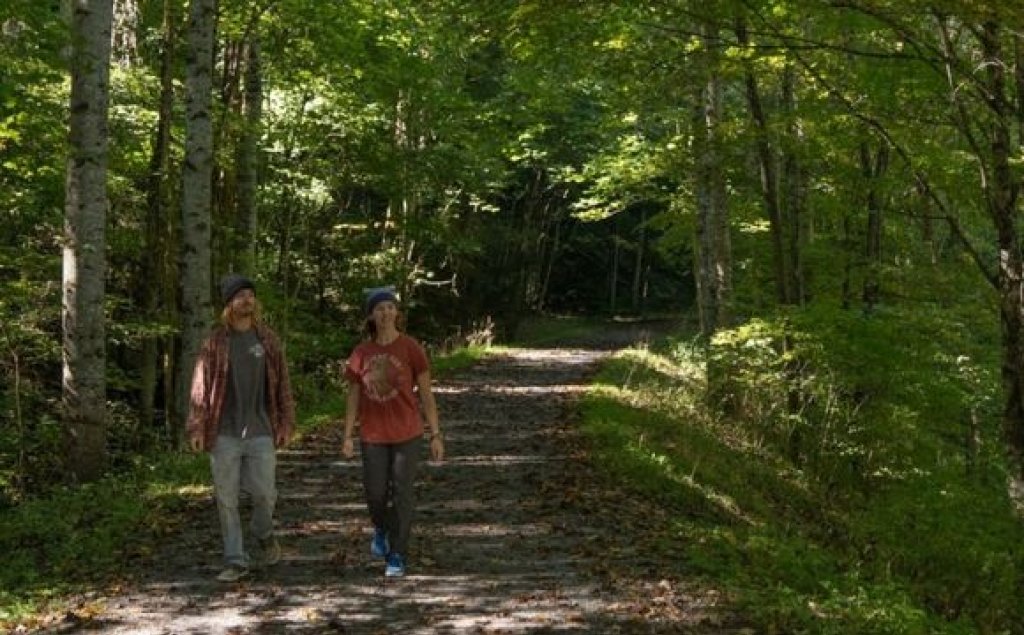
{"x": 384, "y": 373}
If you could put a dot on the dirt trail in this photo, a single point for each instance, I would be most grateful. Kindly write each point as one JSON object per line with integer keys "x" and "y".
{"x": 511, "y": 536}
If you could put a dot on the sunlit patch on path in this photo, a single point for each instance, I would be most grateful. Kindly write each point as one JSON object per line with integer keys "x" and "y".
{"x": 500, "y": 545}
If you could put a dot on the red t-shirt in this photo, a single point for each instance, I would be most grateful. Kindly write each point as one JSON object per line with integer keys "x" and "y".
{"x": 385, "y": 376}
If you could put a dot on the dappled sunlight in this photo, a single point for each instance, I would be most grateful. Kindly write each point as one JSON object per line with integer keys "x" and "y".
{"x": 664, "y": 365}
{"x": 719, "y": 500}
{"x": 671, "y": 435}
{"x": 538, "y": 390}
{"x": 469, "y": 504}
{"x": 500, "y": 460}
{"x": 450, "y": 390}
{"x": 502, "y": 541}
{"x": 489, "y": 530}
{"x": 418, "y": 603}
{"x": 193, "y": 490}
{"x": 467, "y": 439}
{"x": 481, "y": 460}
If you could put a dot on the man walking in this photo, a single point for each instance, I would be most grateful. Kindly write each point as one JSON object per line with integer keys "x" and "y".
{"x": 242, "y": 411}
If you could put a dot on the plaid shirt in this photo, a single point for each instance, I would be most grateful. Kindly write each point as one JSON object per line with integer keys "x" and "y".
{"x": 210, "y": 382}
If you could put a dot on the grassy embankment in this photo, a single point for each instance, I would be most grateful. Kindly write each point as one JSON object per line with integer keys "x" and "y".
{"x": 855, "y": 484}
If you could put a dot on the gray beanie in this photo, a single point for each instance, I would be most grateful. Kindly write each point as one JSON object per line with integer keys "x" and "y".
{"x": 232, "y": 284}
{"x": 377, "y": 295}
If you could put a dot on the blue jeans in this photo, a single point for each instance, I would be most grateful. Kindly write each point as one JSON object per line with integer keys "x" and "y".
{"x": 248, "y": 464}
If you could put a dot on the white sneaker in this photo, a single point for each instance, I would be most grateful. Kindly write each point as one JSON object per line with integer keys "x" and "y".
{"x": 233, "y": 573}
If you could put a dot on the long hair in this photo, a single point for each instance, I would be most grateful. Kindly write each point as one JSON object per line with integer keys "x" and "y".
{"x": 226, "y": 315}
{"x": 371, "y": 328}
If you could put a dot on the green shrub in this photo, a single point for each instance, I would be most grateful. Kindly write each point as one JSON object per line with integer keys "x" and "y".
{"x": 956, "y": 541}
{"x": 863, "y": 510}
{"x": 67, "y": 538}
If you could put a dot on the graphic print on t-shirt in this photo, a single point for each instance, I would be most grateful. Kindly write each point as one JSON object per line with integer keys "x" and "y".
{"x": 381, "y": 379}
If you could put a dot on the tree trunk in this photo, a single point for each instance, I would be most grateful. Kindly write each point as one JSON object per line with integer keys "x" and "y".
{"x": 613, "y": 274}
{"x": 85, "y": 210}
{"x": 713, "y": 250}
{"x": 224, "y": 207}
{"x": 1018, "y": 81}
{"x": 248, "y": 157}
{"x": 794, "y": 193}
{"x": 197, "y": 175}
{"x": 154, "y": 250}
{"x": 713, "y": 242}
{"x": 553, "y": 249}
{"x": 1003, "y": 191}
{"x": 768, "y": 167}
{"x": 872, "y": 170}
{"x": 638, "y": 263}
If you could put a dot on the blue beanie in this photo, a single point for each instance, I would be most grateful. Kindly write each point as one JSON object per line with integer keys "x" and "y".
{"x": 377, "y": 295}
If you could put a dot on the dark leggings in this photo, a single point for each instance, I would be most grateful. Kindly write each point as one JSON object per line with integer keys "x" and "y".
{"x": 388, "y": 473}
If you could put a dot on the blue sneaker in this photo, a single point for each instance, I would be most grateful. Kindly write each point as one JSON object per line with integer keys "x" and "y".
{"x": 395, "y": 567}
{"x": 379, "y": 545}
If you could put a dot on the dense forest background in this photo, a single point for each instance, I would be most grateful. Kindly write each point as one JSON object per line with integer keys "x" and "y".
{"x": 831, "y": 190}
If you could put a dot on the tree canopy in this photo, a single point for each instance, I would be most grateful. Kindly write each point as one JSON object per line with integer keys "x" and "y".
{"x": 833, "y": 186}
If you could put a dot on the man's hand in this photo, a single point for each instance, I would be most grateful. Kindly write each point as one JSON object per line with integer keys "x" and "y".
{"x": 280, "y": 439}
{"x": 196, "y": 443}
{"x": 348, "y": 449}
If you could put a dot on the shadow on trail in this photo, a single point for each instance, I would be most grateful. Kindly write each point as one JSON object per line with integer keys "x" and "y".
{"x": 606, "y": 336}
{"x": 500, "y": 544}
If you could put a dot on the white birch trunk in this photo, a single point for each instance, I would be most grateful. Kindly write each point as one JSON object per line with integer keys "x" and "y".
{"x": 85, "y": 210}
{"x": 197, "y": 175}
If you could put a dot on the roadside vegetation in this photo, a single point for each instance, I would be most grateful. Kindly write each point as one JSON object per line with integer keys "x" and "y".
{"x": 851, "y": 484}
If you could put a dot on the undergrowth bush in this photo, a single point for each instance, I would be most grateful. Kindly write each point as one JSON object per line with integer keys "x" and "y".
{"x": 859, "y": 457}
{"x": 76, "y": 535}
{"x": 955, "y": 540}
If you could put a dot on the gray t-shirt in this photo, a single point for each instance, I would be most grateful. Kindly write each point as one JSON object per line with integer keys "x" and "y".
{"x": 245, "y": 405}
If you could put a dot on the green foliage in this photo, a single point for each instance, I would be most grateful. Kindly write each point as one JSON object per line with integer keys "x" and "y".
{"x": 316, "y": 346}
{"x": 966, "y": 559}
{"x": 30, "y": 433}
{"x": 867, "y": 399}
{"x": 460, "y": 358}
{"x": 445, "y": 148}
{"x": 66, "y": 540}
{"x": 859, "y": 512}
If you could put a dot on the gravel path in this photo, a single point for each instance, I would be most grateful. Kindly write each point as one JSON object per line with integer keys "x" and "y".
{"x": 513, "y": 536}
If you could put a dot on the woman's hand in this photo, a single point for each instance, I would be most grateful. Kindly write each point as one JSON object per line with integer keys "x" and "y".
{"x": 348, "y": 449}
{"x": 437, "y": 447}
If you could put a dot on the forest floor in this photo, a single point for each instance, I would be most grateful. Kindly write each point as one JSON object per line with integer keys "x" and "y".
{"x": 516, "y": 533}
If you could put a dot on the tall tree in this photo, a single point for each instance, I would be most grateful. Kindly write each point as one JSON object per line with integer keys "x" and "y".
{"x": 196, "y": 202}
{"x": 794, "y": 190}
{"x": 84, "y": 383}
{"x": 248, "y": 154}
{"x": 713, "y": 249}
{"x": 1002, "y": 185}
{"x": 768, "y": 163}
{"x": 158, "y": 221}
{"x": 873, "y": 170}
